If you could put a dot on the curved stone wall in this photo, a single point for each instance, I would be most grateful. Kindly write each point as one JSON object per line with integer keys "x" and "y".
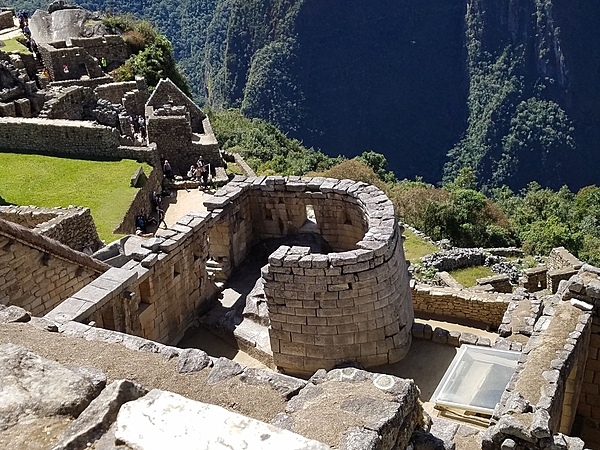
{"x": 325, "y": 309}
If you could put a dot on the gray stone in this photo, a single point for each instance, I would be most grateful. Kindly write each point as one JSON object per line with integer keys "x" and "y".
{"x": 169, "y": 353}
{"x": 285, "y": 385}
{"x": 426, "y": 441}
{"x": 540, "y": 427}
{"x": 222, "y": 370}
{"x": 593, "y": 288}
{"x": 483, "y": 342}
{"x": 360, "y": 439}
{"x": 444, "y": 430}
{"x": 14, "y": 314}
{"x": 508, "y": 444}
{"x": 454, "y": 338}
{"x": 44, "y": 324}
{"x": 192, "y": 360}
{"x": 163, "y": 420}
{"x": 34, "y": 386}
{"x": 320, "y": 376}
{"x": 468, "y": 338}
{"x": 440, "y": 336}
{"x": 417, "y": 330}
{"x": 99, "y": 415}
{"x": 576, "y": 284}
{"x": 511, "y": 426}
{"x": 283, "y": 420}
{"x": 93, "y": 374}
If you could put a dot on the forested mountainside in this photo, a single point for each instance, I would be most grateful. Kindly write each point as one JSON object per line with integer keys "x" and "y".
{"x": 508, "y": 87}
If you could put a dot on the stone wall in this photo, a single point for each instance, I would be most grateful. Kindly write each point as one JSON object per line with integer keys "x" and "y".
{"x": 110, "y": 47}
{"x": 114, "y": 92}
{"x": 91, "y": 82}
{"x": 562, "y": 265}
{"x": 173, "y": 136}
{"x": 158, "y": 293}
{"x": 67, "y": 103}
{"x": 539, "y": 403}
{"x": 70, "y": 138}
{"x": 458, "y": 258}
{"x": 172, "y": 283}
{"x": 167, "y": 93}
{"x": 353, "y": 304}
{"x": 78, "y": 62}
{"x": 7, "y": 20}
{"x": 140, "y": 203}
{"x": 585, "y": 286}
{"x": 481, "y": 307}
{"x": 37, "y": 273}
{"x": 535, "y": 279}
{"x": 500, "y": 283}
{"x": 73, "y": 226}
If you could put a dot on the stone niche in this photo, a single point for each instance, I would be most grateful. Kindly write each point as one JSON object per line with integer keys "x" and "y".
{"x": 352, "y": 305}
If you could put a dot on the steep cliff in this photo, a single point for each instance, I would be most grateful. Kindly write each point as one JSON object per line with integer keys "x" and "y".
{"x": 505, "y": 85}
{"x": 508, "y": 87}
{"x": 524, "y": 122}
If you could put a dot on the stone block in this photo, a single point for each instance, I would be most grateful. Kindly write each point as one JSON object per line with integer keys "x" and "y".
{"x": 165, "y": 420}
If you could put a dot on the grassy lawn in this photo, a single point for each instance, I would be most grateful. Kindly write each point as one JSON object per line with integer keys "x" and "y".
{"x": 48, "y": 181}
{"x": 12, "y": 45}
{"x": 415, "y": 247}
{"x": 467, "y": 277}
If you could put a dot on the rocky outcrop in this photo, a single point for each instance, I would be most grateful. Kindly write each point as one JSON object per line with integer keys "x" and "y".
{"x": 32, "y": 386}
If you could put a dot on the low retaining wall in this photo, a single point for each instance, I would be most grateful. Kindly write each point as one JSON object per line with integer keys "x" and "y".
{"x": 73, "y": 226}
{"x": 37, "y": 273}
{"x": 542, "y": 396}
{"x": 467, "y": 304}
{"x": 71, "y": 138}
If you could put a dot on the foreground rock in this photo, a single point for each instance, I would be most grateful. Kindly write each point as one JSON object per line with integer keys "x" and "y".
{"x": 163, "y": 420}
{"x": 356, "y": 410}
{"x": 100, "y": 415}
{"x": 32, "y": 386}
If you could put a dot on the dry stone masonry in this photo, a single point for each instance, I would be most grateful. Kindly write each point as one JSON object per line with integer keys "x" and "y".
{"x": 351, "y": 304}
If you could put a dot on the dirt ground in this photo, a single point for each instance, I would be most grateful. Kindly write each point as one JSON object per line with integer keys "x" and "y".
{"x": 181, "y": 202}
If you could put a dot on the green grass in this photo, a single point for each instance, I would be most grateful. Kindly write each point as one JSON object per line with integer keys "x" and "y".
{"x": 12, "y": 45}
{"x": 467, "y": 277}
{"x": 47, "y": 181}
{"x": 415, "y": 247}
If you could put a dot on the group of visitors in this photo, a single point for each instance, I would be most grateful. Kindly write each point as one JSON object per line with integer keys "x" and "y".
{"x": 199, "y": 172}
{"x": 142, "y": 221}
{"x": 138, "y": 123}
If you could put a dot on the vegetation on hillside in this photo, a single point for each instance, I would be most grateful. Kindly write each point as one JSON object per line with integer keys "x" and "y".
{"x": 151, "y": 52}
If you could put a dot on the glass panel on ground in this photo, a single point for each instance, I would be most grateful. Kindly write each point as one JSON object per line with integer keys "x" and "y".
{"x": 475, "y": 380}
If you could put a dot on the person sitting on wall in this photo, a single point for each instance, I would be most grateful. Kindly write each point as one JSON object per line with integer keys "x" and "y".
{"x": 167, "y": 170}
{"x": 140, "y": 223}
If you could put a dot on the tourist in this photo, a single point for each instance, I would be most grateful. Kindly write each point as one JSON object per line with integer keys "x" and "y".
{"x": 140, "y": 223}
{"x": 161, "y": 217}
{"x": 142, "y": 125}
{"x": 156, "y": 200}
{"x": 204, "y": 174}
{"x": 192, "y": 172}
{"x": 167, "y": 170}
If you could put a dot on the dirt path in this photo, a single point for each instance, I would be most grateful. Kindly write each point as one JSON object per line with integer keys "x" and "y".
{"x": 181, "y": 202}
